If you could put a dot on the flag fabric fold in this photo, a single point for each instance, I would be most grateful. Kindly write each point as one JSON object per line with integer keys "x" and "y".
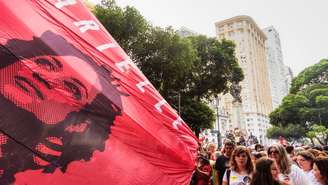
{"x": 74, "y": 108}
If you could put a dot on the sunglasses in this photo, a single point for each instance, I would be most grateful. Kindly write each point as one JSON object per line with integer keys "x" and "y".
{"x": 273, "y": 152}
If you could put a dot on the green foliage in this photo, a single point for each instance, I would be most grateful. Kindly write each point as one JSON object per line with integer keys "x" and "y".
{"x": 291, "y": 132}
{"x": 316, "y": 74}
{"x": 318, "y": 132}
{"x": 127, "y": 26}
{"x": 291, "y": 110}
{"x": 307, "y": 103}
{"x": 197, "y": 114}
{"x": 166, "y": 59}
{"x": 215, "y": 69}
{"x": 196, "y": 67}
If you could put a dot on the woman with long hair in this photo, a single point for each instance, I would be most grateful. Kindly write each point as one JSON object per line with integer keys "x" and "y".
{"x": 241, "y": 168}
{"x": 288, "y": 170}
{"x": 320, "y": 170}
{"x": 305, "y": 160}
{"x": 267, "y": 173}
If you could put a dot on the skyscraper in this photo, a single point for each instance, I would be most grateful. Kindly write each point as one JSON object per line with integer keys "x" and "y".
{"x": 251, "y": 115}
{"x": 277, "y": 70}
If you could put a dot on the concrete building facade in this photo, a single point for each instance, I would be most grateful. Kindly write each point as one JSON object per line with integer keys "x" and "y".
{"x": 251, "y": 115}
{"x": 279, "y": 82}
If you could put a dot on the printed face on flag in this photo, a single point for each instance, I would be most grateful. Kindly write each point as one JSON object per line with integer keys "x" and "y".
{"x": 55, "y": 84}
{"x": 74, "y": 108}
{"x": 63, "y": 114}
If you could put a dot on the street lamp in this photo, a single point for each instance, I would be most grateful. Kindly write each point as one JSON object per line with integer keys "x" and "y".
{"x": 218, "y": 120}
{"x": 179, "y": 101}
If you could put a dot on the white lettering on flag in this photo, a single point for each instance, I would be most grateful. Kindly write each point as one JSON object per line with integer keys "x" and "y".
{"x": 124, "y": 65}
{"x": 106, "y": 46}
{"x": 61, "y": 3}
{"x": 142, "y": 84}
{"x": 159, "y": 105}
{"x": 177, "y": 122}
{"x": 86, "y": 25}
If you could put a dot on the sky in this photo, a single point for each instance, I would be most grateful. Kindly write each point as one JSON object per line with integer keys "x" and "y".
{"x": 302, "y": 24}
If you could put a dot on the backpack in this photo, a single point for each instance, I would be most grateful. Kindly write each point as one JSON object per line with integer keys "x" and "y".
{"x": 228, "y": 176}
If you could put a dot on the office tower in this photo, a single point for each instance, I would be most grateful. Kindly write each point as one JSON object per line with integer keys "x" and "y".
{"x": 251, "y": 115}
{"x": 276, "y": 68}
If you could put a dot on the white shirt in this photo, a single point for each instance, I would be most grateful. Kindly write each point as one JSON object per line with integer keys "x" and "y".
{"x": 311, "y": 178}
{"x": 236, "y": 178}
{"x": 297, "y": 176}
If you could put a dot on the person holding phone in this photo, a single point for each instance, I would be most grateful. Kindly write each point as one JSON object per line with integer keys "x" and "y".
{"x": 267, "y": 173}
{"x": 288, "y": 170}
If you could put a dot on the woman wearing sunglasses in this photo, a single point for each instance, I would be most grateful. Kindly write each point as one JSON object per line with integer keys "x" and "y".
{"x": 288, "y": 170}
{"x": 267, "y": 173}
{"x": 241, "y": 168}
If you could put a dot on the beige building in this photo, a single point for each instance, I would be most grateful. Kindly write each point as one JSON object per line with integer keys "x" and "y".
{"x": 252, "y": 114}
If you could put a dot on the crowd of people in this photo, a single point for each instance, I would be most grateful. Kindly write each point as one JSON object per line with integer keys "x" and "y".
{"x": 260, "y": 165}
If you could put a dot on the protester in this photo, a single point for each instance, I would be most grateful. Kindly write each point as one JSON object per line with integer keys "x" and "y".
{"x": 203, "y": 171}
{"x": 315, "y": 152}
{"x": 210, "y": 149}
{"x": 267, "y": 173}
{"x": 305, "y": 160}
{"x": 222, "y": 162}
{"x": 257, "y": 155}
{"x": 287, "y": 169}
{"x": 259, "y": 148}
{"x": 325, "y": 149}
{"x": 320, "y": 170}
{"x": 291, "y": 152}
{"x": 241, "y": 168}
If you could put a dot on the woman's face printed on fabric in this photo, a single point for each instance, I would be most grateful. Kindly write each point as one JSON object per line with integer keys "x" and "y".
{"x": 59, "y": 107}
{"x": 46, "y": 85}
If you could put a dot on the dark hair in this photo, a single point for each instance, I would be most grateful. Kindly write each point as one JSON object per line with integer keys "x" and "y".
{"x": 262, "y": 175}
{"x": 21, "y": 149}
{"x": 229, "y": 143}
{"x": 259, "y": 155}
{"x": 325, "y": 148}
{"x": 317, "y": 147}
{"x": 307, "y": 156}
{"x": 258, "y": 146}
{"x": 239, "y": 150}
{"x": 284, "y": 162}
{"x": 322, "y": 163}
{"x": 315, "y": 152}
{"x": 289, "y": 149}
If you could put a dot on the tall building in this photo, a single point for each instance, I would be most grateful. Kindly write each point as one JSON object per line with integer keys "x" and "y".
{"x": 276, "y": 68}
{"x": 251, "y": 115}
{"x": 289, "y": 77}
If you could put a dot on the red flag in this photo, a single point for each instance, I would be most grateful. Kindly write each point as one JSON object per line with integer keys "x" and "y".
{"x": 74, "y": 109}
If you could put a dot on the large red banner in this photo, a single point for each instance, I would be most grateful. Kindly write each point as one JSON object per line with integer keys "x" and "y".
{"x": 74, "y": 108}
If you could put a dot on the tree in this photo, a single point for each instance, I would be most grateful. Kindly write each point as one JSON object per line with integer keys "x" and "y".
{"x": 127, "y": 26}
{"x": 216, "y": 68}
{"x": 318, "y": 132}
{"x": 166, "y": 59}
{"x": 307, "y": 102}
{"x": 291, "y": 132}
{"x": 316, "y": 74}
{"x": 307, "y": 107}
{"x": 197, "y": 114}
{"x": 194, "y": 68}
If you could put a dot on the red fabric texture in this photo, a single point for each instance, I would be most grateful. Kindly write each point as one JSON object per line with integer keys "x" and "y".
{"x": 74, "y": 109}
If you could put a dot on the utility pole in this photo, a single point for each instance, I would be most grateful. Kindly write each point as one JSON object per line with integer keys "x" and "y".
{"x": 179, "y": 103}
{"x": 218, "y": 120}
